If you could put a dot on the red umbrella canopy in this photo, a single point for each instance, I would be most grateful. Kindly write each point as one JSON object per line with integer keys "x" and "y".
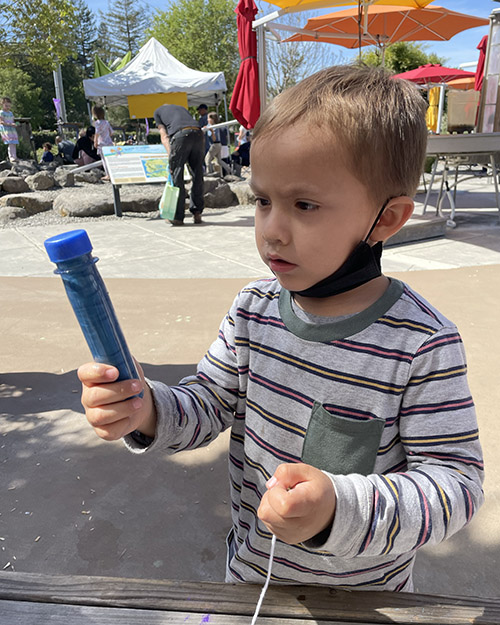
{"x": 483, "y": 44}
{"x": 434, "y": 73}
{"x": 245, "y": 101}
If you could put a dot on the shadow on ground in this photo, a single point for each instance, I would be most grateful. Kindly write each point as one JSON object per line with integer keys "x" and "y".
{"x": 73, "y": 504}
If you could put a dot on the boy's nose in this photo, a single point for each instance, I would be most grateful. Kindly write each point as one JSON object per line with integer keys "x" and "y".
{"x": 275, "y": 226}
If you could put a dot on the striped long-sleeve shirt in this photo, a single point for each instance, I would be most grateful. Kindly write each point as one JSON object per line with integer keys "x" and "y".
{"x": 379, "y": 401}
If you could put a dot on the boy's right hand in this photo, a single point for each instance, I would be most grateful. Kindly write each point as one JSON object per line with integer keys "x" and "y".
{"x": 110, "y": 407}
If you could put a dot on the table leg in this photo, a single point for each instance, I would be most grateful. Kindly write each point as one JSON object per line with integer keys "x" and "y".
{"x": 433, "y": 174}
{"x": 495, "y": 178}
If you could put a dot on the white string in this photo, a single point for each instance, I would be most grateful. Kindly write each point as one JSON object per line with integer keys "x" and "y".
{"x": 266, "y": 583}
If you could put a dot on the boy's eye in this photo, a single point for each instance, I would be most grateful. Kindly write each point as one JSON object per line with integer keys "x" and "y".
{"x": 262, "y": 202}
{"x": 306, "y": 206}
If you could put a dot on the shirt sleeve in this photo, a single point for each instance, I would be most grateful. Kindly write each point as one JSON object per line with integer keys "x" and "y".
{"x": 441, "y": 488}
{"x": 200, "y": 407}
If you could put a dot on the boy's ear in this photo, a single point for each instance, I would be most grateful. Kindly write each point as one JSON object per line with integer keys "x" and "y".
{"x": 396, "y": 214}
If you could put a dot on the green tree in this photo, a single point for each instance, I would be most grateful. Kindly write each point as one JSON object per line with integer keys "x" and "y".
{"x": 126, "y": 21}
{"x": 104, "y": 45}
{"x": 25, "y": 96}
{"x": 37, "y": 32}
{"x": 85, "y": 35}
{"x": 201, "y": 34}
{"x": 401, "y": 57}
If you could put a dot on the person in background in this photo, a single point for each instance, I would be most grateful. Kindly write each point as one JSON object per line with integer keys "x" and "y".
{"x": 8, "y": 131}
{"x": 85, "y": 152}
{"x": 47, "y": 156}
{"x": 103, "y": 134}
{"x": 202, "y": 122}
{"x": 183, "y": 140}
{"x": 215, "y": 149}
{"x": 65, "y": 150}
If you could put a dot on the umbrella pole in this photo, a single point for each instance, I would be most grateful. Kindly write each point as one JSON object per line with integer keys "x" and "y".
{"x": 440, "y": 109}
{"x": 261, "y": 62}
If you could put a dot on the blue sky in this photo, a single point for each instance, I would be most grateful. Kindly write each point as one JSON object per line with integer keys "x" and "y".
{"x": 460, "y": 49}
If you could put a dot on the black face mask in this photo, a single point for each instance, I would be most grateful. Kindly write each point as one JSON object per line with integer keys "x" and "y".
{"x": 361, "y": 266}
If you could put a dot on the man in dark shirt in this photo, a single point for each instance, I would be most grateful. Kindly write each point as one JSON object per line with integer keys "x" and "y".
{"x": 65, "y": 150}
{"x": 184, "y": 142}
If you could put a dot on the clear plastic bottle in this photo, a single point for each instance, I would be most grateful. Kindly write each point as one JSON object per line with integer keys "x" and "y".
{"x": 87, "y": 293}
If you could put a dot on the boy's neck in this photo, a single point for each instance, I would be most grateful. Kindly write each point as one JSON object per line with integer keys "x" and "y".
{"x": 348, "y": 303}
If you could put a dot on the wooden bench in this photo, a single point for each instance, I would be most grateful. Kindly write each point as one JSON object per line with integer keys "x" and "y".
{"x": 36, "y": 599}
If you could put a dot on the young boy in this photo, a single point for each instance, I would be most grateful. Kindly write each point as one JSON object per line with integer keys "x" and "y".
{"x": 353, "y": 433}
{"x": 47, "y": 156}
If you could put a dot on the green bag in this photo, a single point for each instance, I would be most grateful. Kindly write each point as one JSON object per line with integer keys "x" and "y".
{"x": 168, "y": 202}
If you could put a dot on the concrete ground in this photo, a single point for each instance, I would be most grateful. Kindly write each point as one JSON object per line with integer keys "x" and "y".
{"x": 73, "y": 504}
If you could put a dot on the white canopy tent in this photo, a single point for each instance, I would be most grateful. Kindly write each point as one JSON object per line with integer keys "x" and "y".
{"x": 155, "y": 70}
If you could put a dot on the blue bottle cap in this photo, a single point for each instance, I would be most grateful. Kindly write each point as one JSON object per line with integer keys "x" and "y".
{"x": 68, "y": 245}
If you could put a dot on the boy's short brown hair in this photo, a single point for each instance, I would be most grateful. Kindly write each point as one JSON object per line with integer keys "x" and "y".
{"x": 376, "y": 122}
{"x": 47, "y": 145}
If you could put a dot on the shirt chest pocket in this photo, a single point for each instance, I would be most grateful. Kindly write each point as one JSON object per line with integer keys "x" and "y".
{"x": 339, "y": 445}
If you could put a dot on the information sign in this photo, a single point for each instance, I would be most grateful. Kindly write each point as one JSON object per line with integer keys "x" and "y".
{"x": 136, "y": 164}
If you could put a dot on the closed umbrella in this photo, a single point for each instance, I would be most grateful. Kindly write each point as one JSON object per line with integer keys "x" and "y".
{"x": 245, "y": 101}
{"x": 483, "y": 44}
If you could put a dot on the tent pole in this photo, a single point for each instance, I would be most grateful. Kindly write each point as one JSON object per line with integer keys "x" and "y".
{"x": 225, "y": 105}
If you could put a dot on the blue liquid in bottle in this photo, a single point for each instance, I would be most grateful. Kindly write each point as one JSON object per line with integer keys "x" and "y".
{"x": 86, "y": 291}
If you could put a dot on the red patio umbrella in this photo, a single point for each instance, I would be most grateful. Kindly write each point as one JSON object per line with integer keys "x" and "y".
{"x": 483, "y": 44}
{"x": 245, "y": 102}
{"x": 433, "y": 73}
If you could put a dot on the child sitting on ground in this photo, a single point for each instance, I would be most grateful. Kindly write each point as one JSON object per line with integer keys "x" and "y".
{"x": 47, "y": 156}
{"x": 353, "y": 433}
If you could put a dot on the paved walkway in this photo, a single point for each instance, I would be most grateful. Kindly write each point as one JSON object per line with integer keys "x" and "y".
{"x": 72, "y": 504}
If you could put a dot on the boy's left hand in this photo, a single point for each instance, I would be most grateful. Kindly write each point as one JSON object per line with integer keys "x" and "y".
{"x": 299, "y": 503}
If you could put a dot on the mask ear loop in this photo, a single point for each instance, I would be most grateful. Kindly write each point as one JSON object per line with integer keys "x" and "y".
{"x": 377, "y": 219}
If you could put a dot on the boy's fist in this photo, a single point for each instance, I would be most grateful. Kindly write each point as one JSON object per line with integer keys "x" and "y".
{"x": 299, "y": 503}
{"x": 110, "y": 407}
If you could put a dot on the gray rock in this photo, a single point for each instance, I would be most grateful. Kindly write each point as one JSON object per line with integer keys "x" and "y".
{"x": 13, "y": 184}
{"x": 221, "y": 197}
{"x": 8, "y": 213}
{"x": 5, "y": 173}
{"x": 25, "y": 168}
{"x": 40, "y": 181}
{"x": 32, "y": 203}
{"x": 134, "y": 198}
{"x": 64, "y": 177}
{"x": 91, "y": 176}
{"x": 243, "y": 192}
{"x": 210, "y": 184}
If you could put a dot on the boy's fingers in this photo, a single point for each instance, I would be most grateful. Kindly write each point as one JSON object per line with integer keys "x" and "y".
{"x": 114, "y": 413}
{"x": 97, "y": 373}
{"x": 97, "y": 395}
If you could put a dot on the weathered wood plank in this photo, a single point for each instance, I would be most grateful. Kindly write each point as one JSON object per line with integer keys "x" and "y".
{"x": 32, "y": 613}
{"x": 297, "y": 602}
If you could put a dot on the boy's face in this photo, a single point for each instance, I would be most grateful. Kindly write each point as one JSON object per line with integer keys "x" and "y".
{"x": 311, "y": 212}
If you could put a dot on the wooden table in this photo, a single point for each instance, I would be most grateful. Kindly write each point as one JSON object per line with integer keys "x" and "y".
{"x": 457, "y": 150}
{"x": 35, "y": 599}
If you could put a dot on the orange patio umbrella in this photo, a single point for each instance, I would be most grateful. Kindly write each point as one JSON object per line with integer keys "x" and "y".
{"x": 462, "y": 83}
{"x": 308, "y": 5}
{"x": 386, "y": 25}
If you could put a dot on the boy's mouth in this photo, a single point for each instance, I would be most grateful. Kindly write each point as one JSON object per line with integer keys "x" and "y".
{"x": 278, "y": 265}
